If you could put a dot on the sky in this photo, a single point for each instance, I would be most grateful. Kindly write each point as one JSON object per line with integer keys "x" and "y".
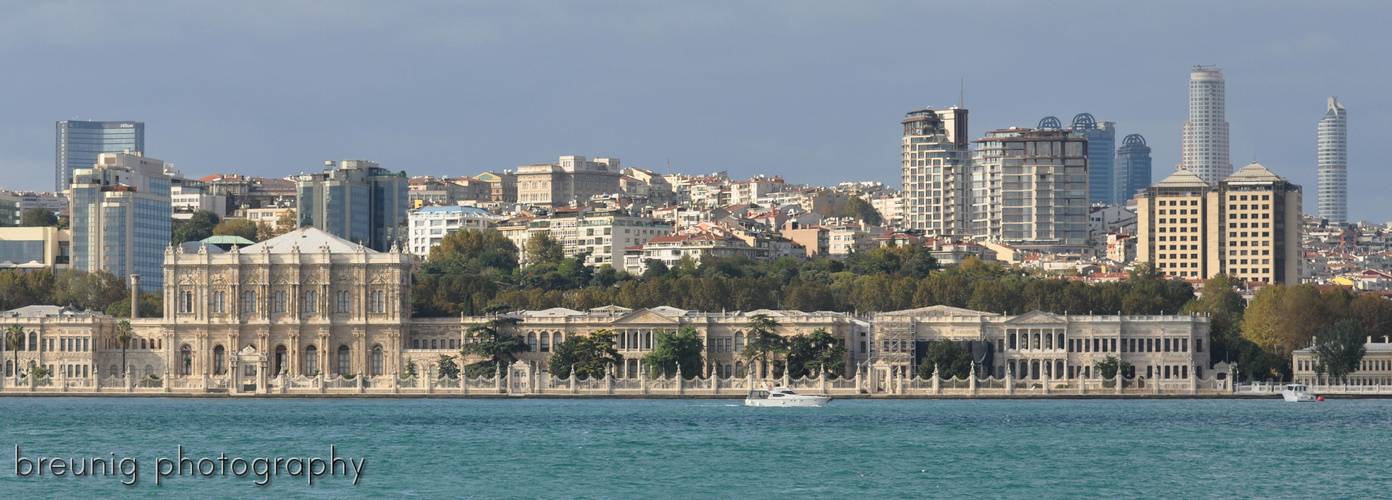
{"x": 811, "y": 91}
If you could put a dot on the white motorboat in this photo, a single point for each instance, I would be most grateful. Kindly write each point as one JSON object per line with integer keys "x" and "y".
{"x": 1297, "y": 393}
{"x": 782, "y": 396}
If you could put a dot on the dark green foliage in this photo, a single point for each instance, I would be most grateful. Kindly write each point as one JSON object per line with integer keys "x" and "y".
{"x": 1339, "y": 349}
{"x": 952, "y": 360}
{"x": 495, "y": 343}
{"x": 195, "y": 228}
{"x": 862, "y": 211}
{"x": 445, "y": 367}
{"x": 38, "y": 217}
{"x": 591, "y": 356}
{"x": 151, "y": 306}
{"x": 681, "y": 348}
{"x": 811, "y": 355}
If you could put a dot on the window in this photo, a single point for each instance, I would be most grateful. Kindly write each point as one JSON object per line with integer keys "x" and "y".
{"x": 279, "y": 305}
{"x": 249, "y": 301}
{"x": 344, "y": 361}
{"x": 377, "y": 302}
{"x": 219, "y": 360}
{"x": 311, "y": 361}
{"x": 342, "y": 302}
{"x": 186, "y": 360}
{"x": 218, "y": 303}
{"x": 186, "y": 301}
{"x": 545, "y": 342}
{"x": 311, "y": 302}
{"x": 377, "y": 359}
{"x": 531, "y": 342}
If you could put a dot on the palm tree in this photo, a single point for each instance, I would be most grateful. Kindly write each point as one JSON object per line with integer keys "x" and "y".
{"x": 14, "y": 339}
{"x": 123, "y": 340}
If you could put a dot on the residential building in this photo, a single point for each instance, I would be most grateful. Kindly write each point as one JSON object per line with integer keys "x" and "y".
{"x": 430, "y": 225}
{"x": 501, "y": 186}
{"x": 1332, "y": 160}
{"x": 251, "y": 192}
{"x": 1030, "y": 189}
{"x": 1246, "y": 227}
{"x": 1205, "y": 135}
{"x": 936, "y": 169}
{"x": 120, "y": 216}
{"x": 11, "y": 209}
{"x": 356, "y": 200}
{"x": 185, "y": 200}
{"x": 79, "y": 142}
{"x": 1131, "y": 168}
{"x": 572, "y": 180}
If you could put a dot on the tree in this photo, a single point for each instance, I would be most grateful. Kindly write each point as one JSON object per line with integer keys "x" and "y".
{"x": 497, "y": 347}
{"x": 541, "y": 247}
{"x": 14, "y": 340}
{"x": 285, "y": 223}
{"x": 589, "y": 355}
{"x": 810, "y": 355}
{"x": 654, "y": 268}
{"x": 196, "y": 228}
{"x": 411, "y": 369}
{"x": 151, "y": 306}
{"x": 38, "y": 217}
{"x": 761, "y": 339}
{"x": 1108, "y": 368}
{"x": 446, "y": 367}
{"x": 952, "y": 360}
{"x": 237, "y": 227}
{"x": 682, "y": 348}
{"x": 472, "y": 250}
{"x": 1339, "y": 349}
{"x": 862, "y": 211}
{"x": 95, "y": 291}
{"x": 123, "y": 340}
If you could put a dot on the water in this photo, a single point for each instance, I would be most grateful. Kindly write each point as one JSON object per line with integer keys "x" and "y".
{"x": 705, "y": 448}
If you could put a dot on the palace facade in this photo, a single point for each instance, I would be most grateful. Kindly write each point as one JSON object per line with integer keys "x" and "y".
{"x": 308, "y": 304}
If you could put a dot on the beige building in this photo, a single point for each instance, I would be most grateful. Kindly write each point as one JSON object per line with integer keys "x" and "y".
{"x": 36, "y": 247}
{"x": 1030, "y": 189}
{"x": 1247, "y": 227}
{"x": 936, "y": 173}
{"x": 571, "y": 180}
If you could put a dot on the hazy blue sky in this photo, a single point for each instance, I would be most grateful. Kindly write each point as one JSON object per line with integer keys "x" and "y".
{"x": 811, "y": 91}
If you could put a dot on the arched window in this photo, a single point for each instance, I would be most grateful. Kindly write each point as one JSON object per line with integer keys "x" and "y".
{"x": 219, "y": 360}
{"x": 149, "y": 371}
{"x": 532, "y": 342}
{"x": 115, "y": 371}
{"x": 344, "y": 361}
{"x": 311, "y": 302}
{"x": 311, "y": 361}
{"x": 545, "y": 342}
{"x": 279, "y": 360}
{"x": 33, "y": 341}
{"x": 377, "y": 359}
{"x": 9, "y": 368}
{"x": 1010, "y": 341}
{"x": 739, "y": 366}
{"x": 1059, "y": 344}
{"x": 249, "y": 301}
{"x": 739, "y": 342}
{"x": 186, "y": 360}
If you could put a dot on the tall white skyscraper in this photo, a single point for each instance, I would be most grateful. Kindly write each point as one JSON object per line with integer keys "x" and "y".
{"x": 1206, "y": 132}
{"x": 1333, "y": 163}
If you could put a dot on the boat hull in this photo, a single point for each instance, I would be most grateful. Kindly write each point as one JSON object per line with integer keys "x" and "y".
{"x": 801, "y": 401}
{"x": 1296, "y": 397}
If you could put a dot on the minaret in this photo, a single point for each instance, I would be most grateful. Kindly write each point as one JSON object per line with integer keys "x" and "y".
{"x": 1332, "y": 163}
{"x": 1206, "y": 133}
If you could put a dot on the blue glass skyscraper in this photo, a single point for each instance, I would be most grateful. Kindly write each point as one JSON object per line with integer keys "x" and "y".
{"x": 1101, "y": 148}
{"x": 355, "y": 200}
{"x": 1132, "y": 167}
{"x": 121, "y": 217}
{"x": 79, "y": 142}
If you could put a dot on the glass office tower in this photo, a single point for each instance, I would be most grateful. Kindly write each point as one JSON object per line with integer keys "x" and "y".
{"x": 79, "y": 143}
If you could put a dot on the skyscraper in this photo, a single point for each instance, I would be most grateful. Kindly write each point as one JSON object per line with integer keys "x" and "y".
{"x": 79, "y": 143}
{"x": 355, "y": 200}
{"x": 121, "y": 217}
{"x": 935, "y": 169}
{"x": 1101, "y": 148}
{"x": 1333, "y": 163}
{"x": 1132, "y": 168}
{"x": 1029, "y": 188}
{"x": 1206, "y": 133}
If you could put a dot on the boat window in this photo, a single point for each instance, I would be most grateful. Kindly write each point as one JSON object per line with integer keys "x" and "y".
{"x": 777, "y": 394}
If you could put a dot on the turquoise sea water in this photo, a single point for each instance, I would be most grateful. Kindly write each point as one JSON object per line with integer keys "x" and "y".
{"x": 720, "y": 449}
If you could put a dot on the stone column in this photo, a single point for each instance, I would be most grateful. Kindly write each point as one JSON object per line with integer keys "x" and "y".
{"x": 135, "y": 296}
